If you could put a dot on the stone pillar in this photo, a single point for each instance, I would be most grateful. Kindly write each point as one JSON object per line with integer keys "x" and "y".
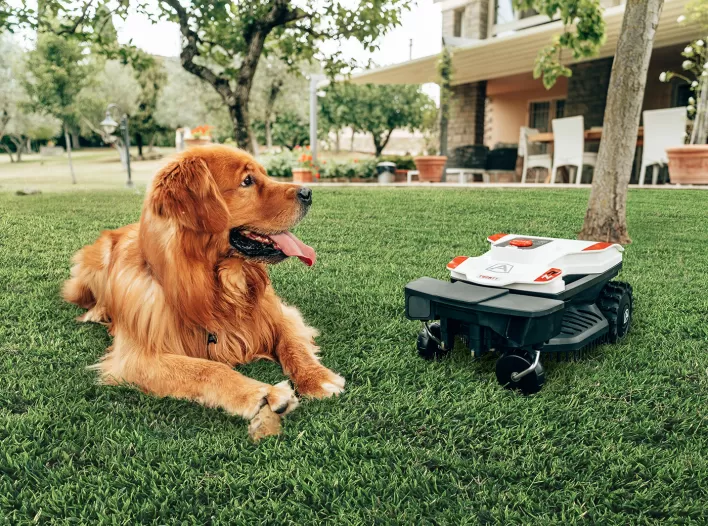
{"x": 587, "y": 90}
{"x": 466, "y": 124}
{"x": 475, "y": 20}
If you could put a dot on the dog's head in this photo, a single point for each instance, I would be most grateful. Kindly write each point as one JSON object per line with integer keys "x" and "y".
{"x": 223, "y": 194}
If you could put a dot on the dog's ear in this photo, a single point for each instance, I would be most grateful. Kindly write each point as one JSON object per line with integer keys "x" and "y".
{"x": 185, "y": 190}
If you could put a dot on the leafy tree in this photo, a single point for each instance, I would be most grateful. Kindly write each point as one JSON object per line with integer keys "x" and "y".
{"x": 59, "y": 69}
{"x": 17, "y": 122}
{"x": 224, "y": 41}
{"x": 379, "y": 109}
{"x": 278, "y": 88}
{"x": 445, "y": 76}
{"x": 151, "y": 77}
{"x": 188, "y": 101}
{"x": 290, "y": 129}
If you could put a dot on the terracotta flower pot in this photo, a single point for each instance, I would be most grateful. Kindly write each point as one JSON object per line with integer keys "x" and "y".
{"x": 301, "y": 175}
{"x": 430, "y": 167}
{"x": 196, "y": 142}
{"x": 688, "y": 164}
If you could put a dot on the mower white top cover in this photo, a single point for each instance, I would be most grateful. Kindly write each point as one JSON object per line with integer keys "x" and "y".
{"x": 536, "y": 264}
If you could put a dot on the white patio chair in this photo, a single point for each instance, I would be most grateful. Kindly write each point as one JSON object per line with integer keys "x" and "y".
{"x": 542, "y": 160}
{"x": 662, "y": 129}
{"x": 569, "y": 146}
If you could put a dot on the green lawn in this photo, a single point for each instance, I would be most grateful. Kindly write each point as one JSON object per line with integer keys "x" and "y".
{"x": 618, "y": 438}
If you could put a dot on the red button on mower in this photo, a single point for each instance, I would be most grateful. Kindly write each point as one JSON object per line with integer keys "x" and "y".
{"x": 521, "y": 243}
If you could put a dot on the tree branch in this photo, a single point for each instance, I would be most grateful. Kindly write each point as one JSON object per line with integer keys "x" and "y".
{"x": 78, "y": 22}
{"x": 191, "y": 50}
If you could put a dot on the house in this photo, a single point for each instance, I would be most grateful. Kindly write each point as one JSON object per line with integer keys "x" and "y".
{"x": 494, "y": 48}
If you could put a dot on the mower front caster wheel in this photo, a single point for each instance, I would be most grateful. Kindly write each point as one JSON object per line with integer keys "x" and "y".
{"x": 428, "y": 348}
{"x": 518, "y": 369}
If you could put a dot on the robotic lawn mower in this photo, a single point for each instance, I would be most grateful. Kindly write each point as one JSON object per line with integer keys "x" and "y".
{"x": 526, "y": 297}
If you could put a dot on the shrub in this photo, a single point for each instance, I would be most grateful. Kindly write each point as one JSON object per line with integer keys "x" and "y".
{"x": 279, "y": 164}
{"x": 366, "y": 168}
{"x": 339, "y": 169}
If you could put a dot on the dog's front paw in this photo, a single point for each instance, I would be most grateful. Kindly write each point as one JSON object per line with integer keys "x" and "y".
{"x": 282, "y": 399}
{"x": 320, "y": 383}
{"x": 265, "y": 423}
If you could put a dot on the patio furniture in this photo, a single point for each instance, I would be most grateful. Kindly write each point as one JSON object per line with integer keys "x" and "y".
{"x": 663, "y": 129}
{"x": 569, "y": 146}
{"x": 501, "y": 162}
{"x": 591, "y": 135}
{"x": 468, "y": 160}
{"x": 542, "y": 160}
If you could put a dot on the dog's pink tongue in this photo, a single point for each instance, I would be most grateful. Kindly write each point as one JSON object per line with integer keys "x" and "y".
{"x": 292, "y": 246}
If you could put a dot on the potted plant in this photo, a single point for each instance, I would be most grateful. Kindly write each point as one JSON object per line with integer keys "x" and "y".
{"x": 432, "y": 167}
{"x": 200, "y": 135}
{"x": 688, "y": 164}
{"x": 304, "y": 167}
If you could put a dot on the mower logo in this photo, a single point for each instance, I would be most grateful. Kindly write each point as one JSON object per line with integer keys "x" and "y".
{"x": 501, "y": 268}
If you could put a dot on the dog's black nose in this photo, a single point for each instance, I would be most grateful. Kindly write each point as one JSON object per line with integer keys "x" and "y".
{"x": 304, "y": 194}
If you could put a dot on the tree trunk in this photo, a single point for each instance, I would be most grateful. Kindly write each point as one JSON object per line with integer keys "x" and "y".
{"x": 67, "y": 139}
{"x": 351, "y": 145}
{"x": 241, "y": 122}
{"x": 606, "y": 217}
{"x": 9, "y": 151}
{"x": 379, "y": 144}
{"x": 75, "y": 141}
{"x": 151, "y": 144}
{"x": 19, "y": 143}
{"x": 270, "y": 103}
{"x": 336, "y": 140}
{"x": 139, "y": 144}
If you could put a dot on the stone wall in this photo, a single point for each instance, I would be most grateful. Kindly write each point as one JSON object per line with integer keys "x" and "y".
{"x": 466, "y": 124}
{"x": 587, "y": 91}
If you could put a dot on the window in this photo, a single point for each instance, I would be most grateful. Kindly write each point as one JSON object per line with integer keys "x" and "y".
{"x": 457, "y": 28}
{"x": 539, "y": 116}
{"x": 541, "y": 113}
{"x": 505, "y": 13}
{"x": 507, "y": 18}
{"x": 560, "y": 108}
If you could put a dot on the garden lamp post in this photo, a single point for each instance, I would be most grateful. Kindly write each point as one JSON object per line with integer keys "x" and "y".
{"x": 314, "y": 81}
{"x": 109, "y": 126}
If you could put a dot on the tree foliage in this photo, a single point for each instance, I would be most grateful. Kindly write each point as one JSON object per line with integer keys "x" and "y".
{"x": 58, "y": 69}
{"x": 583, "y": 34}
{"x": 17, "y": 120}
{"x": 223, "y": 41}
{"x": 376, "y": 109}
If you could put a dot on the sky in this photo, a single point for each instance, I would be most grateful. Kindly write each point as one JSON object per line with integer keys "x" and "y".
{"x": 422, "y": 24}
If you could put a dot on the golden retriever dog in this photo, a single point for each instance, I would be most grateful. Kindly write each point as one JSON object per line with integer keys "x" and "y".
{"x": 186, "y": 294}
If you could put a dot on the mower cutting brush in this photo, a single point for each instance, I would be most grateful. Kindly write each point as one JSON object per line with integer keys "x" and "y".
{"x": 526, "y": 297}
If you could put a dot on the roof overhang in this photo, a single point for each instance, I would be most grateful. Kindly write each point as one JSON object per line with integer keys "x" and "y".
{"x": 516, "y": 52}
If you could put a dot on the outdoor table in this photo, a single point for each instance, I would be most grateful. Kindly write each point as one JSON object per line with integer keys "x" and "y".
{"x": 591, "y": 135}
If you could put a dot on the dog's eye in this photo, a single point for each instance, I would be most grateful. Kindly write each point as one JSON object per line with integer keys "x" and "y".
{"x": 248, "y": 181}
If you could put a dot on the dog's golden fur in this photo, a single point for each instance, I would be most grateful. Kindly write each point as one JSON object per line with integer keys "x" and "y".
{"x": 164, "y": 284}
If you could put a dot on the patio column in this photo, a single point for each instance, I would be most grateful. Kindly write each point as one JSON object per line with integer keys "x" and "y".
{"x": 466, "y": 124}
{"x": 587, "y": 90}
